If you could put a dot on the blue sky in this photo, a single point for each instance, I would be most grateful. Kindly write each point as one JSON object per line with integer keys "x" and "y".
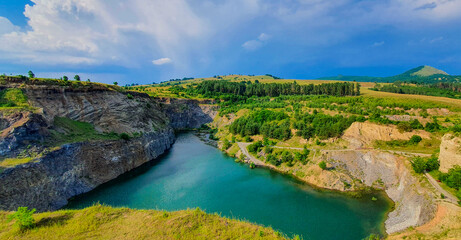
{"x": 145, "y": 41}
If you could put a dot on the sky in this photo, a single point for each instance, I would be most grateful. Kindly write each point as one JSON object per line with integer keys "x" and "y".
{"x": 146, "y": 41}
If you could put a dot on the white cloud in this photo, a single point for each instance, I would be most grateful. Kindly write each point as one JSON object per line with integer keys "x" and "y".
{"x": 162, "y": 61}
{"x": 378, "y": 44}
{"x": 133, "y": 33}
{"x": 6, "y": 26}
{"x": 99, "y": 31}
{"x": 264, "y": 37}
{"x": 255, "y": 44}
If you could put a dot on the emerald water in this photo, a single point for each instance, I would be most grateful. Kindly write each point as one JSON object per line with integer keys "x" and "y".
{"x": 193, "y": 174}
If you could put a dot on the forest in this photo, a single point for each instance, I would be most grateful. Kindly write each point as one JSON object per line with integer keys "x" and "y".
{"x": 247, "y": 88}
{"x": 441, "y": 89}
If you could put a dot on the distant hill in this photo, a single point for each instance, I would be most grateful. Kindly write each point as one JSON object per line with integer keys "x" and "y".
{"x": 421, "y": 74}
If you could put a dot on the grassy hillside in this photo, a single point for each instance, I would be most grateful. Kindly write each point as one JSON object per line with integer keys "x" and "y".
{"x": 102, "y": 222}
{"x": 421, "y": 74}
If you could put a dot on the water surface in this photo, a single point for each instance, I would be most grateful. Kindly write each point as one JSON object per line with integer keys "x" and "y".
{"x": 193, "y": 174}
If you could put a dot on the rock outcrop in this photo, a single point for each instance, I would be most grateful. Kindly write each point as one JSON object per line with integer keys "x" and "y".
{"x": 450, "y": 152}
{"x": 364, "y": 134}
{"x": 47, "y": 183}
{"x": 414, "y": 205}
{"x": 187, "y": 113}
{"x": 57, "y": 175}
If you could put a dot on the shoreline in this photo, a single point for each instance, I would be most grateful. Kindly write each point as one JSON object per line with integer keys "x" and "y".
{"x": 357, "y": 194}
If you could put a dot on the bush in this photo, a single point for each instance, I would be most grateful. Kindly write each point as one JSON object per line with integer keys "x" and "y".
{"x": 432, "y": 164}
{"x": 226, "y": 144}
{"x": 23, "y": 218}
{"x": 419, "y": 164}
{"x": 129, "y": 96}
{"x": 125, "y": 136}
{"x": 415, "y": 139}
{"x": 255, "y": 147}
{"x": 425, "y": 164}
{"x": 287, "y": 157}
{"x": 323, "y": 165}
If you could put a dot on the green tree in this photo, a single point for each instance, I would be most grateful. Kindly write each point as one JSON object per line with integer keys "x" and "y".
{"x": 116, "y": 83}
{"x": 419, "y": 164}
{"x": 24, "y": 218}
{"x": 323, "y": 165}
{"x": 77, "y": 78}
{"x": 226, "y": 144}
{"x": 65, "y": 78}
{"x": 415, "y": 139}
{"x": 31, "y": 74}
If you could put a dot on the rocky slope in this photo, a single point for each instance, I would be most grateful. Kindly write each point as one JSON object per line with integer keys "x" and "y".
{"x": 50, "y": 181}
{"x": 414, "y": 205}
{"x": 187, "y": 114}
{"x": 59, "y": 174}
{"x": 364, "y": 134}
{"x": 450, "y": 152}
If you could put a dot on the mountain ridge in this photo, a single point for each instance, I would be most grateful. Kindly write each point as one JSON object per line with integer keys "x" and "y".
{"x": 421, "y": 74}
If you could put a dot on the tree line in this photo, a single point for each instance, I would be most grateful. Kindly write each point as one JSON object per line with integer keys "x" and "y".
{"x": 249, "y": 89}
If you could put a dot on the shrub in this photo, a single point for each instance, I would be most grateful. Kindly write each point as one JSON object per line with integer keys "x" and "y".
{"x": 65, "y": 78}
{"x": 252, "y": 165}
{"x": 323, "y": 165}
{"x": 287, "y": 157}
{"x": 432, "y": 164}
{"x": 129, "y": 96}
{"x": 77, "y": 78}
{"x": 255, "y": 147}
{"x": 226, "y": 144}
{"x": 425, "y": 164}
{"x": 415, "y": 139}
{"x": 419, "y": 164}
{"x": 23, "y": 218}
{"x": 125, "y": 136}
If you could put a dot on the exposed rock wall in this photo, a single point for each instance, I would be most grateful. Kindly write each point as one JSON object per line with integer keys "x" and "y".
{"x": 364, "y": 134}
{"x": 107, "y": 110}
{"x": 49, "y": 181}
{"x": 450, "y": 152}
{"x": 77, "y": 168}
{"x": 187, "y": 114}
{"x": 414, "y": 205}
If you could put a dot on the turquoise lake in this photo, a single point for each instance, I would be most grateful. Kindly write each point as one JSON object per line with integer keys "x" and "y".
{"x": 192, "y": 174}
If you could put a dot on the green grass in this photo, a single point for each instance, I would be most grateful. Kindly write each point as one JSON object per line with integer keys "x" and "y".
{"x": 435, "y": 174}
{"x": 13, "y": 98}
{"x": 12, "y": 162}
{"x": 102, "y": 222}
{"x": 66, "y": 130}
{"x": 427, "y": 146}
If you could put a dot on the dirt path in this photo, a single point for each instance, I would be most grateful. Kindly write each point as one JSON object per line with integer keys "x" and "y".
{"x": 346, "y": 150}
{"x": 243, "y": 148}
{"x": 448, "y": 196}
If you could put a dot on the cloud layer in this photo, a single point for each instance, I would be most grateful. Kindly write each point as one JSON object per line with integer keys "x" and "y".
{"x": 196, "y": 33}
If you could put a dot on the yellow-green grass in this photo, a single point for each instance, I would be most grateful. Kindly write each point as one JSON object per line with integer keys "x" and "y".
{"x": 69, "y": 131}
{"x": 435, "y": 174}
{"x": 103, "y": 222}
{"x": 12, "y": 162}
{"x": 427, "y": 146}
{"x": 454, "y": 104}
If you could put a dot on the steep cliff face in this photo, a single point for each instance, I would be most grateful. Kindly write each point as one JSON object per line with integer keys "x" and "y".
{"x": 108, "y": 111}
{"x": 414, "y": 205}
{"x": 50, "y": 181}
{"x": 450, "y": 152}
{"x": 57, "y": 175}
{"x": 187, "y": 114}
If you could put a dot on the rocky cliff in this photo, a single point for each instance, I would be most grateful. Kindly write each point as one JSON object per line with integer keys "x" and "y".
{"x": 414, "y": 205}
{"x": 48, "y": 182}
{"x": 450, "y": 152}
{"x": 188, "y": 114}
{"x": 61, "y": 172}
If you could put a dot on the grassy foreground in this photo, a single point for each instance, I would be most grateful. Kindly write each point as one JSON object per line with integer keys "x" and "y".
{"x": 103, "y": 222}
